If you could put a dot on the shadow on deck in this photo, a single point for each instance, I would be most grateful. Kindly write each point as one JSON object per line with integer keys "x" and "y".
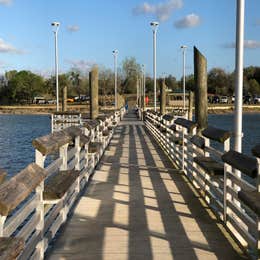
{"x": 138, "y": 207}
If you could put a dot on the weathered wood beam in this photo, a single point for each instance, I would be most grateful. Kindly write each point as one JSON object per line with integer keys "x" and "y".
{"x": 10, "y": 247}
{"x": 19, "y": 187}
{"x": 51, "y": 143}
{"x": 2, "y": 175}
{"x": 201, "y": 90}
{"x": 64, "y": 98}
{"x": 242, "y": 162}
{"x": 216, "y": 134}
{"x": 93, "y": 84}
{"x": 162, "y": 97}
{"x": 58, "y": 184}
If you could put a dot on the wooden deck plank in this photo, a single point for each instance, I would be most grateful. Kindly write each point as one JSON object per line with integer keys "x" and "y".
{"x": 138, "y": 207}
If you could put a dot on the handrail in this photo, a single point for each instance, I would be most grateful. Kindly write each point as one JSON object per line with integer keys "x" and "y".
{"x": 235, "y": 199}
{"x": 36, "y": 202}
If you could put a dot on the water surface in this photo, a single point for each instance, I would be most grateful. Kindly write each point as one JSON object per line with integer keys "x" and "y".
{"x": 16, "y": 135}
{"x": 18, "y": 131}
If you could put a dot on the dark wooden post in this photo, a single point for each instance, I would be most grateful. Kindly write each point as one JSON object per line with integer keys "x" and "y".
{"x": 64, "y": 99}
{"x": 201, "y": 89}
{"x": 93, "y": 84}
{"x": 162, "y": 97}
{"x": 191, "y": 102}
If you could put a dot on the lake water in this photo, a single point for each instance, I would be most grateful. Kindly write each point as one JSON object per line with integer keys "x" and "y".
{"x": 18, "y": 131}
{"x": 16, "y": 135}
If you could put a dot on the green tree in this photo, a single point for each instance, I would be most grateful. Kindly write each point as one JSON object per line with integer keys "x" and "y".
{"x": 131, "y": 71}
{"x": 24, "y": 86}
{"x": 171, "y": 82}
{"x": 254, "y": 87}
{"x": 75, "y": 80}
{"x": 106, "y": 81}
{"x": 218, "y": 81}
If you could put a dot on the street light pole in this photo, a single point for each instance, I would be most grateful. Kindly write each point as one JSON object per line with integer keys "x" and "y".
{"x": 239, "y": 74}
{"x": 143, "y": 69}
{"x": 115, "y": 53}
{"x": 155, "y": 27}
{"x": 56, "y": 25}
{"x": 183, "y": 47}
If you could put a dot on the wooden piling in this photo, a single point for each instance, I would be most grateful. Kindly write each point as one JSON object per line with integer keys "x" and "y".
{"x": 64, "y": 99}
{"x": 191, "y": 103}
{"x": 162, "y": 97}
{"x": 201, "y": 95}
{"x": 93, "y": 84}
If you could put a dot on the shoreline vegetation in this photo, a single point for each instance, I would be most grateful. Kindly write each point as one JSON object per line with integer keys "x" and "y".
{"x": 49, "y": 109}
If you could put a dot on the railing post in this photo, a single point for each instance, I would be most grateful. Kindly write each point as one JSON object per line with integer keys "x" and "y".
{"x": 258, "y": 219}
{"x": 227, "y": 182}
{"x": 2, "y": 222}
{"x": 191, "y": 101}
{"x": 64, "y": 155}
{"x": 183, "y": 148}
{"x": 77, "y": 154}
{"x": 39, "y": 159}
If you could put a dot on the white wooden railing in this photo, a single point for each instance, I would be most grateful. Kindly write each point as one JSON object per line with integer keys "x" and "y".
{"x": 228, "y": 181}
{"x": 36, "y": 202}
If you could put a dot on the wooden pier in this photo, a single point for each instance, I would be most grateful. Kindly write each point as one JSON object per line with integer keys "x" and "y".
{"x": 117, "y": 187}
{"x": 138, "y": 206}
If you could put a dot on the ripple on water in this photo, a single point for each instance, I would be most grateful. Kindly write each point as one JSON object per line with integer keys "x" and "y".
{"x": 16, "y": 135}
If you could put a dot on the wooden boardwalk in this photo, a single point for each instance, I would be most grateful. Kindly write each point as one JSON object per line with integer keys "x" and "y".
{"x": 138, "y": 207}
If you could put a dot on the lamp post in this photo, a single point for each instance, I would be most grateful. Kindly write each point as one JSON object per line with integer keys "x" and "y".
{"x": 239, "y": 74}
{"x": 155, "y": 27}
{"x": 183, "y": 47}
{"x": 143, "y": 70}
{"x": 115, "y": 53}
{"x": 56, "y": 26}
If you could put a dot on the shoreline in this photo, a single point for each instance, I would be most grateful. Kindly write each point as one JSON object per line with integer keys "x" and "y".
{"x": 48, "y": 110}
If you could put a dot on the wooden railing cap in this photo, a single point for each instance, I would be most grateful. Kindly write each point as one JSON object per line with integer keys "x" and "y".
{"x": 57, "y": 185}
{"x": 3, "y": 174}
{"x": 242, "y": 162}
{"x": 73, "y": 131}
{"x": 198, "y": 141}
{"x": 102, "y": 118}
{"x": 51, "y": 143}
{"x": 168, "y": 117}
{"x": 11, "y": 247}
{"x": 91, "y": 124}
{"x": 251, "y": 199}
{"x": 84, "y": 139}
{"x": 67, "y": 113}
{"x": 216, "y": 134}
{"x": 190, "y": 125}
{"x": 256, "y": 151}
{"x": 19, "y": 187}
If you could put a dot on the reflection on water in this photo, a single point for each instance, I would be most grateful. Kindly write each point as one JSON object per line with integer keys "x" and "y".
{"x": 18, "y": 131}
{"x": 16, "y": 135}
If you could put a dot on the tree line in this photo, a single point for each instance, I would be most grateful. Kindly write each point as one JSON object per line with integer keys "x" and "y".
{"x": 18, "y": 87}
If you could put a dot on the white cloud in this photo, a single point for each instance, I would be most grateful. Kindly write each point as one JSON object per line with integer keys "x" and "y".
{"x": 161, "y": 10}
{"x": 81, "y": 65}
{"x": 8, "y": 48}
{"x": 5, "y": 2}
{"x": 190, "y": 20}
{"x": 73, "y": 28}
{"x": 248, "y": 44}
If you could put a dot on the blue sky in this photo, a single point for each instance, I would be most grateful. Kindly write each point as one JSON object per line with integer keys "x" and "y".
{"x": 90, "y": 30}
